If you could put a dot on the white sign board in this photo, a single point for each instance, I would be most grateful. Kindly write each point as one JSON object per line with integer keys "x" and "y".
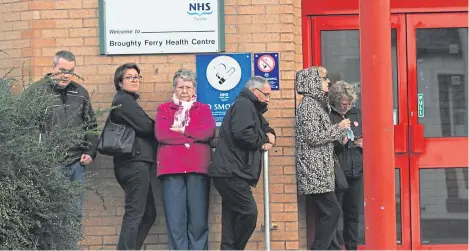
{"x": 161, "y": 26}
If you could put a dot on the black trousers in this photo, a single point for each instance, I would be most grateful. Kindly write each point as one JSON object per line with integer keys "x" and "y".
{"x": 185, "y": 199}
{"x": 327, "y": 209}
{"x": 351, "y": 201}
{"x": 140, "y": 211}
{"x": 239, "y": 212}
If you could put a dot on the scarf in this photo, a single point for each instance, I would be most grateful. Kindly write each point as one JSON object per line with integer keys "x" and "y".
{"x": 182, "y": 118}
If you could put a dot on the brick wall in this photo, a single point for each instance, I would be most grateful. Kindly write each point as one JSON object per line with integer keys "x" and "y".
{"x": 32, "y": 31}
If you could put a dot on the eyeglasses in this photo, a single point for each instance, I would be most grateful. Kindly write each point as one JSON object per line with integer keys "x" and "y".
{"x": 267, "y": 95}
{"x": 133, "y": 78}
{"x": 345, "y": 105}
{"x": 66, "y": 71}
{"x": 62, "y": 71}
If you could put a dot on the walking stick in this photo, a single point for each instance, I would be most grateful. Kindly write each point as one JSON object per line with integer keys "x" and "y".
{"x": 266, "y": 202}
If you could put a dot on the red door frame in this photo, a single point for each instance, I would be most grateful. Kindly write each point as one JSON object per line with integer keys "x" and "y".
{"x": 423, "y": 150}
{"x": 311, "y": 46}
{"x": 341, "y": 7}
{"x": 311, "y": 8}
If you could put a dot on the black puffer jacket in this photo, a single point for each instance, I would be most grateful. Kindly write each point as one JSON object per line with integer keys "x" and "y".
{"x": 71, "y": 108}
{"x": 242, "y": 134}
{"x": 350, "y": 156}
{"x": 131, "y": 113}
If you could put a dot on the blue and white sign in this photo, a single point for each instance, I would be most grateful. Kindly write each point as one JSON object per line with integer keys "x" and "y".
{"x": 266, "y": 65}
{"x": 220, "y": 78}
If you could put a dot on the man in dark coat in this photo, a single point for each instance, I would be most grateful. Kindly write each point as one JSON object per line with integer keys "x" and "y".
{"x": 236, "y": 165}
{"x": 70, "y": 108}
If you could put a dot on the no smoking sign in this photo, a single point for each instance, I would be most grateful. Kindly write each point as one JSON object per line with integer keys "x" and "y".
{"x": 266, "y": 65}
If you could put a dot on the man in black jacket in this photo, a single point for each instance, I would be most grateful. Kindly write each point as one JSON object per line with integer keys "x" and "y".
{"x": 236, "y": 164}
{"x": 70, "y": 108}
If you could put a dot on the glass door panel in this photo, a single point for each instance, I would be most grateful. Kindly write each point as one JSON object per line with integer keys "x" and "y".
{"x": 340, "y": 53}
{"x": 442, "y": 79}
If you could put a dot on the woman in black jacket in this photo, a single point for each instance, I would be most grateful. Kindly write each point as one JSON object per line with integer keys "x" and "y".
{"x": 133, "y": 171}
{"x": 350, "y": 154}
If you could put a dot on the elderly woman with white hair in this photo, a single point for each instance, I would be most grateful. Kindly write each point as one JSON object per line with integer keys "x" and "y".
{"x": 350, "y": 154}
{"x": 184, "y": 128}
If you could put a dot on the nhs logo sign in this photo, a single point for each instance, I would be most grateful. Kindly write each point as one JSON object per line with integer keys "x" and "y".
{"x": 200, "y": 8}
{"x": 182, "y": 26}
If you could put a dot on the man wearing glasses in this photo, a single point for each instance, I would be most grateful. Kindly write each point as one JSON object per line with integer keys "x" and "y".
{"x": 70, "y": 109}
{"x": 236, "y": 164}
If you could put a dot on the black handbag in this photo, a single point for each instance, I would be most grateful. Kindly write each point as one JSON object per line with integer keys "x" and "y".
{"x": 116, "y": 139}
{"x": 340, "y": 179}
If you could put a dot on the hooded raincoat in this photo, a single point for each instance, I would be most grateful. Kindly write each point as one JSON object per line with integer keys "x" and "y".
{"x": 315, "y": 135}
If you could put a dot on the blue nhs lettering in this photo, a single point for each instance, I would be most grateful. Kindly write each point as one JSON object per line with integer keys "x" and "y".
{"x": 193, "y": 7}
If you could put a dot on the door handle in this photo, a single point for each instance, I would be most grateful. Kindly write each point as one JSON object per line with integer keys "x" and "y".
{"x": 400, "y": 144}
{"x": 416, "y": 138}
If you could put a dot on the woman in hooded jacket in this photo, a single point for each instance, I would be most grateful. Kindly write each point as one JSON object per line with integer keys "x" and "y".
{"x": 315, "y": 136}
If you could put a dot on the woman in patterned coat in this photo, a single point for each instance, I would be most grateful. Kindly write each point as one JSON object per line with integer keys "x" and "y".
{"x": 315, "y": 136}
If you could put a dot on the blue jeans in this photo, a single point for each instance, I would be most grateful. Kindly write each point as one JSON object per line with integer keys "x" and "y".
{"x": 185, "y": 199}
{"x": 76, "y": 172}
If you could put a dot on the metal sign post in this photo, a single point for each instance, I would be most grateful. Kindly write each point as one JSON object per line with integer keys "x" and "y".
{"x": 266, "y": 202}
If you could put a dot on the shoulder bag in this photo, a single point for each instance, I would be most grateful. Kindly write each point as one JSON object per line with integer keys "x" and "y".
{"x": 116, "y": 139}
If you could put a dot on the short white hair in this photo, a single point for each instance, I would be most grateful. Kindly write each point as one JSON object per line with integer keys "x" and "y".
{"x": 340, "y": 90}
{"x": 256, "y": 82}
{"x": 186, "y": 75}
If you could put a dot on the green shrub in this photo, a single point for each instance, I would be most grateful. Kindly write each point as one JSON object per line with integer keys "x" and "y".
{"x": 37, "y": 200}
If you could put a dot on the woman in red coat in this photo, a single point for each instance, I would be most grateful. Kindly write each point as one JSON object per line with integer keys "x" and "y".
{"x": 184, "y": 128}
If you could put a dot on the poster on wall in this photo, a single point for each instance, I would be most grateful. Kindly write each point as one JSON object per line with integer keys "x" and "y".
{"x": 266, "y": 65}
{"x": 220, "y": 78}
{"x": 156, "y": 27}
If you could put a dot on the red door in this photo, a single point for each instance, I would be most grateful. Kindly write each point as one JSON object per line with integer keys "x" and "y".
{"x": 429, "y": 56}
{"x": 438, "y": 128}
